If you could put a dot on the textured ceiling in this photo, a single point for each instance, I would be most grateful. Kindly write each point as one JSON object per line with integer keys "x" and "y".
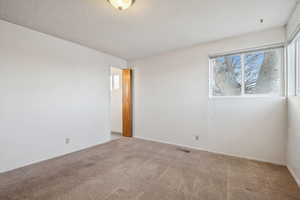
{"x": 149, "y": 27}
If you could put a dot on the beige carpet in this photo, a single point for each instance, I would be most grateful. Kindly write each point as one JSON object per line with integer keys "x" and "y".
{"x": 142, "y": 170}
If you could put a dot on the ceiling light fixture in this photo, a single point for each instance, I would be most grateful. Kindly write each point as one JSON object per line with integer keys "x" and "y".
{"x": 121, "y": 4}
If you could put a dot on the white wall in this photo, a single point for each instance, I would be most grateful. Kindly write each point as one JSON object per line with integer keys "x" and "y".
{"x": 293, "y": 157}
{"x": 116, "y": 104}
{"x": 172, "y": 105}
{"x": 50, "y": 90}
{"x": 294, "y": 23}
{"x": 293, "y": 145}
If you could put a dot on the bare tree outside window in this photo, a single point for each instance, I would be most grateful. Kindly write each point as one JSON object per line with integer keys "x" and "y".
{"x": 227, "y": 76}
{"x": 262, "y": 73}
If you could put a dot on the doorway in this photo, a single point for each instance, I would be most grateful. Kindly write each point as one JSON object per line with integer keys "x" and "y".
{"x": 121, "y": 102}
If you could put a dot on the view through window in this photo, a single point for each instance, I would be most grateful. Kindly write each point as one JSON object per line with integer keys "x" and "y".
{"x": 247, "y": 74}
{"x": 114, "y": 82}
{"x": 294, "y": 66}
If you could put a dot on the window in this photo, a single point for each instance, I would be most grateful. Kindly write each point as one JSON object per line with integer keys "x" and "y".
{"x": 297, "y": 67}
{"x": 294, "y": 67}
{"x": 115, "y": 82}
{"x": 253, "y": 73}
{"x": 291, "y": 49}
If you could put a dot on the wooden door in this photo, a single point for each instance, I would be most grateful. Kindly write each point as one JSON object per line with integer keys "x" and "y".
{"x": 127, "y": 102}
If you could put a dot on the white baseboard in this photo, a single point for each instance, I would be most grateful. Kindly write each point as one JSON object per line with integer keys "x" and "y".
{"x": 211, "y": 151}
{"x": 294, "y": 175}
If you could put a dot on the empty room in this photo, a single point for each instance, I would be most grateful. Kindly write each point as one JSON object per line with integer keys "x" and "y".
{"x": 150, "y": 100}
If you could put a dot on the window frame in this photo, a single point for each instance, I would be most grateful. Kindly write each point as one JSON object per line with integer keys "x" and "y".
{"x": 297, "y": 65}
{"x": 242, "y": 53}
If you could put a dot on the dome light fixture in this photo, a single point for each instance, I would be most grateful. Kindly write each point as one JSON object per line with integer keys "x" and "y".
{"x": 121, "y": 4}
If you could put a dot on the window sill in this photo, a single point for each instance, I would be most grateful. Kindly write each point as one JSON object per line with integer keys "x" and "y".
{"x": 246, "y": 97}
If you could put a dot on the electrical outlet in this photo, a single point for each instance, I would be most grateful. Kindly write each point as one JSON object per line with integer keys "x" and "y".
{"x": 196, "y": 137}
{"x": 67, "y": 140}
